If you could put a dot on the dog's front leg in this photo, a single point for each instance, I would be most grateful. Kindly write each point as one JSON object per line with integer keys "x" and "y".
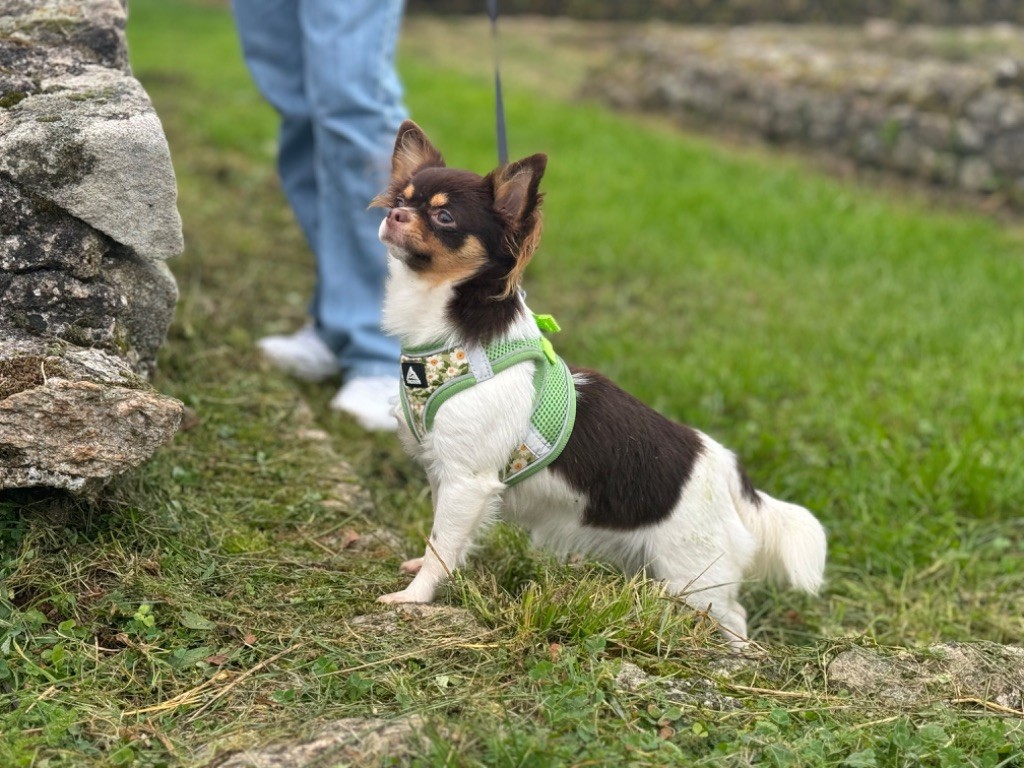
{"x": 462, "y": 505}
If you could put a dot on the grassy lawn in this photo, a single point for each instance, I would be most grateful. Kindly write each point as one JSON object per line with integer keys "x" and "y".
{"x": 861, "y": 351}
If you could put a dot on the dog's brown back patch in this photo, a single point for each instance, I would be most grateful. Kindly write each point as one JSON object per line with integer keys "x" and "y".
{"x": 630, "y": 461}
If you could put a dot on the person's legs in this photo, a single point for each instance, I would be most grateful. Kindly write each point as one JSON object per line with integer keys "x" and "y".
{"x": 355, "y": 100}
{"x": 271, "y": 39}
{"x": 328, "y": 69}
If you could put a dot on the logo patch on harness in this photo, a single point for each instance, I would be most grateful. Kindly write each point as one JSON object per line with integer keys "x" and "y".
{"x": 414, "y": 375}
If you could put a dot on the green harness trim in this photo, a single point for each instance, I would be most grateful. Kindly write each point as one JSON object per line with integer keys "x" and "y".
{"x": 430, "y": 377}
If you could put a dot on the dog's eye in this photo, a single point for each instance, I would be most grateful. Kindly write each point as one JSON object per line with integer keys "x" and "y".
{"x": 399, "y": 202}
{"x": 444, "y": 218}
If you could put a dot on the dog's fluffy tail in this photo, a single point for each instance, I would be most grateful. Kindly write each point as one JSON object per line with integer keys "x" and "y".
{"x": 791, "y": 543}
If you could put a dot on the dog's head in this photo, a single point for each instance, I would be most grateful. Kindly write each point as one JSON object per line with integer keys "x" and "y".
{"x": 453, "y": 226}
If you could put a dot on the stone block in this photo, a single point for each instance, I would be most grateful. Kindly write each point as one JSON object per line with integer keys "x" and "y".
{"x": 88, "y": 213}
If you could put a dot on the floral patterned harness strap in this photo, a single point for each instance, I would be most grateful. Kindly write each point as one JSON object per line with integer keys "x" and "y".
{"x": 430, "y": 376}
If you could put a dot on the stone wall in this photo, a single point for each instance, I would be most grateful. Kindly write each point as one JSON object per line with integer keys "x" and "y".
{"x": 751, "y": 11}
{"x": 88, "y": 215}
{"x": 945, "y": 111}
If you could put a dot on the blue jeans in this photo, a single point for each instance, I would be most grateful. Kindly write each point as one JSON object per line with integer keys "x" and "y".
{"x": 327, "y": 67}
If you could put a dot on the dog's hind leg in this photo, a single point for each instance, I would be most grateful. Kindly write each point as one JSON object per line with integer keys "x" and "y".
{"x": 718, "y": 600}
{"x": 462, "y": 506}
{"x": 702, "y": 551}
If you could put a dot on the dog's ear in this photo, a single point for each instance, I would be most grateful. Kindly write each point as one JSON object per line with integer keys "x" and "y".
{"x": 413, "y": 151}
{"x": 515, "y": 188}
{"x": 517, "y": 198}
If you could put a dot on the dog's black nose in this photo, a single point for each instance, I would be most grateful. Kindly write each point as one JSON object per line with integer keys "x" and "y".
{"x": 400, "y": 215}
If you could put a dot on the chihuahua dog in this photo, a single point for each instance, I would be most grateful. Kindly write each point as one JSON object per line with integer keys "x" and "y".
{"x": 581, "y": 464}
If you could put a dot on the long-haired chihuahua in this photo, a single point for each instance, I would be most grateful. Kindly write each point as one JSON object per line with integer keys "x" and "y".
{"x": 504, "y": 427}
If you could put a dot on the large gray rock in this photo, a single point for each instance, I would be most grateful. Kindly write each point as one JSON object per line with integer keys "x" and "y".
{"x": 72, "y": 30}
{"x": 88, "y": 213}
{"x": 60, "y": 277}
{"x": 72, "y": 417}
{"x": 92, "y": 144}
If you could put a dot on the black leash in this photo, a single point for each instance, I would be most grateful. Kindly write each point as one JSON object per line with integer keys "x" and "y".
{"x": 499, "y": 105}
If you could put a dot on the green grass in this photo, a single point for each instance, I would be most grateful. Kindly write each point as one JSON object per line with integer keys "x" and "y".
{"x": 862, "y": 352}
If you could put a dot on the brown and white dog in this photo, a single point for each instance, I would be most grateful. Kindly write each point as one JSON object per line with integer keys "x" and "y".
{"x": 630, "y": 486}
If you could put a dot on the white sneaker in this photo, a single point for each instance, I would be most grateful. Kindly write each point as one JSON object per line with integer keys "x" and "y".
{"x": 302, "y": 354}
{"x": 369, "y": 400}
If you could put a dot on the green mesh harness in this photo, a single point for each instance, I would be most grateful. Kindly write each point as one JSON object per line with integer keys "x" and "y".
{"x": 432, "y": 375}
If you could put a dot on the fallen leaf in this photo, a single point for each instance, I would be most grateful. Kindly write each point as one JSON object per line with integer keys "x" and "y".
{"x": 195, "y": 621}
{"x": 249, "y": 639}
{"x": 218, "y": 659}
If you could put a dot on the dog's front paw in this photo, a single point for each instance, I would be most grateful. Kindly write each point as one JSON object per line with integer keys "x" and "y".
{"x": 411, "y": 566}
{"x": 405, "y": 596}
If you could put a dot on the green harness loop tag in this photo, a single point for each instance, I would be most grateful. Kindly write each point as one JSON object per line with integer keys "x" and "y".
{"x": 549, "y": 350}
{"x": 547, "y": 323}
